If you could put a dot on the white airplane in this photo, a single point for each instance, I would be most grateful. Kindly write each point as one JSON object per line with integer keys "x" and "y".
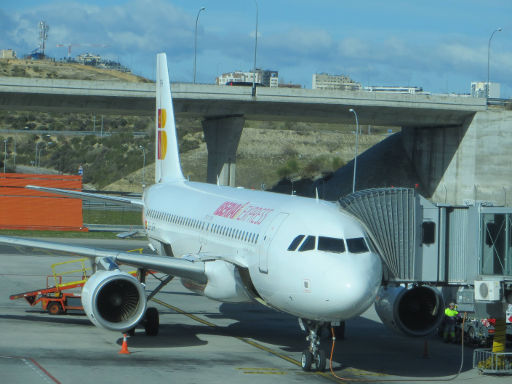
{"x": 302, "y": 256}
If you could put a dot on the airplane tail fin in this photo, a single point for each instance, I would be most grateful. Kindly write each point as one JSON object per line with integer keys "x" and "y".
{"x": 167, "y": 158}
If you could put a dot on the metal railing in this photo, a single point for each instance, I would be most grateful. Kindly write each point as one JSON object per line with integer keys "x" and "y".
{"x": 491, "y": 362}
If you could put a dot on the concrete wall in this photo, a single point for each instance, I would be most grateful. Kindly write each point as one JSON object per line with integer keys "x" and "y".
{"x": 469, "y": 162}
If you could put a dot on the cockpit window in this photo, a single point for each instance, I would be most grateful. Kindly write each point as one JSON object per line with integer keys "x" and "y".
{"x": 331, "y": 244}
{"x": 357, "y": 245}
{"x": 295, "y": 243}
{"x": 308, "y": 244}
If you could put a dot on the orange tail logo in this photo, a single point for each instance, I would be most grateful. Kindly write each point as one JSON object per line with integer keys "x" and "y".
{"x": 162, "y": 136}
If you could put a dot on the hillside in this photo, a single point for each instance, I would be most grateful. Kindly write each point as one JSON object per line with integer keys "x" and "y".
{"x": 262, "y": 153}
{"x": 48, "y": 69}
{"x": 268, "y": 151}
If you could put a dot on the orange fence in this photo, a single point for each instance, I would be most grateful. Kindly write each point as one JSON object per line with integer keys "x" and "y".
{"x": 22, "y": 208}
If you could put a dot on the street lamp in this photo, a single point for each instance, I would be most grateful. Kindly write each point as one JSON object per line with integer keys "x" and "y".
{"x": 38, "y": 163}
{"x": 355, "y": 157}
{"x": 489, "y": 59}
{"x": 143, "y": 165}
{"x": 195, "y": 42}
{"x": 255, "y": 51}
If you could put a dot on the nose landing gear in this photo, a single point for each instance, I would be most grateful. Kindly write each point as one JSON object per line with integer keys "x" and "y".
{"x": 313, "y": 355}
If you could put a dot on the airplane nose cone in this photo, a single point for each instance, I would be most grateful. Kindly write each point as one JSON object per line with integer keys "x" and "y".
{"x": 357, "y": 282}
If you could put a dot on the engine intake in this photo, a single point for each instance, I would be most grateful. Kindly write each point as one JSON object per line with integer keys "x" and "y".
{"x": 415, "y": 311}
{"x": 114, "y": 300}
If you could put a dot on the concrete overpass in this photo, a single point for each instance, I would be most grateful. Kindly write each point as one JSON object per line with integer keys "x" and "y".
{"x": 212, "y": 101}
{"x": 458, "y": 146}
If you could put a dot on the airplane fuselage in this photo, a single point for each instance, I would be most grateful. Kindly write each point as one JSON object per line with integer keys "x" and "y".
{"x": 304, "y": 256}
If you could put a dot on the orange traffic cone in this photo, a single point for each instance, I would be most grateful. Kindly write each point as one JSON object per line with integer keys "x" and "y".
{"x": 124, "y": 347}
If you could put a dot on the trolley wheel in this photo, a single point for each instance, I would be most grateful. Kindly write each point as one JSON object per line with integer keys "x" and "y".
{"x": 54, "y": 308}
{"x": 471, "y": 336}
{"x": 306, "y": 360}
{"x": 151, "y": 322}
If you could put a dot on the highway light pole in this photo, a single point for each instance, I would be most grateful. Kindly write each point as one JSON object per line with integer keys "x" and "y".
{"x": 143, "y": 165}
{"x": 255, "y": 51}
{"x": 489, "y": 59}
{"x": 355, "y": 157}
{"x": 195, "y": 42}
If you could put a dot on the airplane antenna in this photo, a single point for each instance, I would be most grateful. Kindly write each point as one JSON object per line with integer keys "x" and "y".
{"x": 316, "y": 194}
{"x": 218, "y": 180}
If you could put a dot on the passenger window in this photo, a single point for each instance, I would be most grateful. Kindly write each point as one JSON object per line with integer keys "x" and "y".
{"x": 357, "y": 245}
{"x": 308, "y": 244}
{"x": 331, "y": 244}
{"x": 295, "y": 243}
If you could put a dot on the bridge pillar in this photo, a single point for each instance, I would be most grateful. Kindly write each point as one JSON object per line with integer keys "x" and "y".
{"x": 222, "y": 135}
{"x": 468, "y": 162}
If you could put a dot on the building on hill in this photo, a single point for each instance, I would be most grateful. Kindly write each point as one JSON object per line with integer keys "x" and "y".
{"x": 7, "y": 54}
{"x": 98, "y": 61}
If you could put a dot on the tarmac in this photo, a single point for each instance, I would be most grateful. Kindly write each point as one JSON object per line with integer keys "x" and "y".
{"x": 201, "y": 341}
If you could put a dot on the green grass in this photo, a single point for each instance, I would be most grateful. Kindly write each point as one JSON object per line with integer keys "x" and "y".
{"x": 117, "y": 217}
{"x": 90, "y": 216}
{"x": 60, "y": 234}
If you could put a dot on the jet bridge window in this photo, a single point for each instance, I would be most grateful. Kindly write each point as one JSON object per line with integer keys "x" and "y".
{"x": 428, "y": 232}
{"x": 295, "y": 243}
{"x": 308, "y": 244}
{"x": 357, "y": 245}
{"x": 331, "y": 244}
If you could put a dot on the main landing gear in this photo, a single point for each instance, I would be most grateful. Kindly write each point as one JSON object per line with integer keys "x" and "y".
{"x": 151, "y": 321}
{"x": 313, "y": 355}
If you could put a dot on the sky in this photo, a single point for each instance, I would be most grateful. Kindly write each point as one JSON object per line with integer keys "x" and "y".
{"x": 441, "y": 46}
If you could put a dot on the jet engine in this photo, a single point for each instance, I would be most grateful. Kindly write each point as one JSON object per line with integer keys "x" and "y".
{"x": 415, "y": 311}
{"x": 114, "y": 300}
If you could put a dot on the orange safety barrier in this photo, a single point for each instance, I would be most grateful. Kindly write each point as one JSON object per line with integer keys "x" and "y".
{"x": 22, "y": 208}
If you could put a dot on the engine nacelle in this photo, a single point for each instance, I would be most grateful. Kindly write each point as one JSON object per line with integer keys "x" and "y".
{"x": 114, "y": 300}
{"x": 415, "y": 311}
{"x": 223, "y": 283}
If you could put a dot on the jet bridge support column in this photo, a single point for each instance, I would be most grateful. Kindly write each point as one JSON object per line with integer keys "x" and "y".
{"x": 222, "y": 135}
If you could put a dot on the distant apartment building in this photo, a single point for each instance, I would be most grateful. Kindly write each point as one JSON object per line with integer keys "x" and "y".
{"x": 7, "y": 54}
{"x": 326, "y": 81}
{"x": 479, "y": 89}
{"x": 394, "y": 89}
{"x": 266, "y": 77}
{"x": 88, "y": 59}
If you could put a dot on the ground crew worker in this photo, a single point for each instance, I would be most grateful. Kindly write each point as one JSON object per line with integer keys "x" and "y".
{"x": 450, "y": 319}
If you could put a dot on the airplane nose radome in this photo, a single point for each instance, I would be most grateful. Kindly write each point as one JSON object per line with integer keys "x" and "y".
{"x": 357, "y": 287}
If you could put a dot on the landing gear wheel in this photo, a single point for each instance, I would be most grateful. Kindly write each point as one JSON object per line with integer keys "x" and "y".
{"x": 54, "y": 308}
{"x": 306, "y": 360}
{"x": 131, "y": 332}
{"x": 320, "y": 361}
{"x": 151, "y": 322}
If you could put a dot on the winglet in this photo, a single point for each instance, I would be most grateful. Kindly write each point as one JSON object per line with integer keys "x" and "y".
{"x": 167, "y": 158}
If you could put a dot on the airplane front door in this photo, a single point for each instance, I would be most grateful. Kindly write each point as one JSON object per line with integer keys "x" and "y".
{"x": 267, "y": 240}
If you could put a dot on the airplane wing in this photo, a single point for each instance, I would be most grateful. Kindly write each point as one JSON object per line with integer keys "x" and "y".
{"x": 88, "y": 196}
{"x": 180, "y": 267}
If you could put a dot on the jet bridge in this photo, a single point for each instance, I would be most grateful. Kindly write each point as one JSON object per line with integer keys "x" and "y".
{"x": 441, "y": 245}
